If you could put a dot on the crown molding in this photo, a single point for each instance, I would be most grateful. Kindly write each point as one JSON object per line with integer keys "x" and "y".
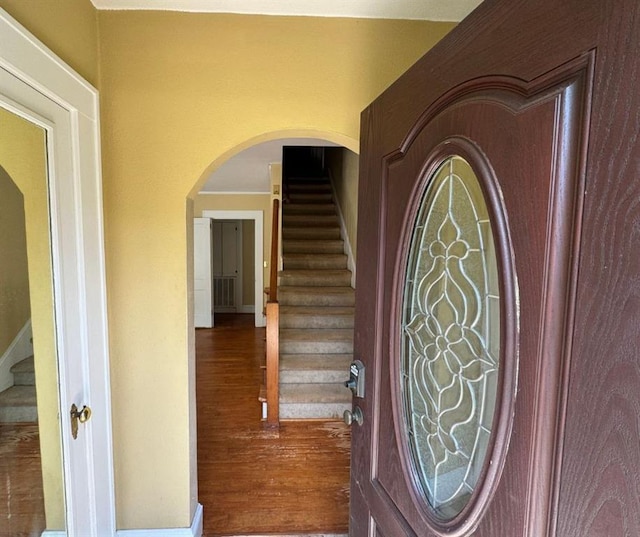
{"x": 434, "y": 10}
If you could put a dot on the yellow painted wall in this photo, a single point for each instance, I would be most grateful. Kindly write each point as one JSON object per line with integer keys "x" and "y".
{"x": 68, "y": 27}
{"x": 22, "y": 156}
{"x": 14, "y": 278}
{"x": 344, "y": 167}
{"x": 181, "y": 91}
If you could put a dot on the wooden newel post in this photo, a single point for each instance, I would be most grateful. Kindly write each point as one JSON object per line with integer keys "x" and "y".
{"x": 273, "y": 353}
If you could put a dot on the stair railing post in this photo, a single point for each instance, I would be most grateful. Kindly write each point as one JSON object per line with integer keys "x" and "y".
{"x": 273, "y": 375}
{"x": 273, "y": 327}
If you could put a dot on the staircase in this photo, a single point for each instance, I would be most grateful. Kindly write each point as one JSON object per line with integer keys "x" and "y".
{"x": 18, "y": 403}
{"x": 316, "y": 305}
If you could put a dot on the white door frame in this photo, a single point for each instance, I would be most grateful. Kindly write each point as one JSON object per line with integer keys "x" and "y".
{"x": 258, "y": 218}
{"x": 37, "y": 85}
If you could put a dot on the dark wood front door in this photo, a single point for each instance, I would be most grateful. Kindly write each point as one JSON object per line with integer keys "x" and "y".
{"x": 498, "y": 297}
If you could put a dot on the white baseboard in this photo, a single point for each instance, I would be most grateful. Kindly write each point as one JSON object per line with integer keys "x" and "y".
{"x": 246, "y": 309}
{"x": 19, "y": 349}
{"x": 54, "y": 533}
{"x": 351, "y": 265}
{"x": 194, "y": 531}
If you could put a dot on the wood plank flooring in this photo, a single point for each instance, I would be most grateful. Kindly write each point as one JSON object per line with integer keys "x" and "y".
{"x": 21, "y": 496}
{"x": 252, "y": 480}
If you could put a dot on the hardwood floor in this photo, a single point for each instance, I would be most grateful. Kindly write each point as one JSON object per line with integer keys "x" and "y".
{"x": 252, "y": 480}
{"x": 21, "y": 496}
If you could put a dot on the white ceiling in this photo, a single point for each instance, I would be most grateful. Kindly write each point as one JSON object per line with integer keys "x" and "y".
{"x": 435, "y": 10}
{"x": 248, "y": 171}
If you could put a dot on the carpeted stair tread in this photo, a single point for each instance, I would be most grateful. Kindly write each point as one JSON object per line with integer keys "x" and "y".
{"x": 310, "y": 220}
{"x": 316, "y": 317}
{"x": 310, "y": 401}
{"x": 307, "y": 180}
{"x": 292, "y": 261}
{"x": 311, "y": 233}
{"x": 323, "y": 188}
{"x": 314, "y": 393}
{"x": 316, "y": 296}
{"x": 24, "y": 373}
{"x": 291, "y": 334}
{"x": 310, "y": 197}
{"x": 313, "y": 246}
{"x": 314, "y": 368}
{"x": 316, "y": 278}
{"x": 316, "y": 341}
{"x": 18, "y": 404}
{"x": 309, "y": 208}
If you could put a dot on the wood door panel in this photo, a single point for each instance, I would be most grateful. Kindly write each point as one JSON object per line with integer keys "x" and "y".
{"x": 501, "y": 117}
{"x": 462, "y": 121}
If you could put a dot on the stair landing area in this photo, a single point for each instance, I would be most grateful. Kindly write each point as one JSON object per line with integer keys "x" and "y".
{"x": 316, "y": 305}
{"x": 18, "y": 403}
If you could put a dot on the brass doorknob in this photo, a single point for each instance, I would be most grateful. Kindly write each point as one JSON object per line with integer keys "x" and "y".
{"x": 355, "y": 416}
{"x": 78, "y": 416}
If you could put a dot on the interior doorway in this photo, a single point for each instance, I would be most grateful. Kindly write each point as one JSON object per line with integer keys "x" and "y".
{"x": 246, "y": 472}
{"x": 233, "y": 266}
{"x": 231, "y": 246}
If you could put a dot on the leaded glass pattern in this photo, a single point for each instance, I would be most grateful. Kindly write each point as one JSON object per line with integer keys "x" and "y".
{"x": 450, "y": 338}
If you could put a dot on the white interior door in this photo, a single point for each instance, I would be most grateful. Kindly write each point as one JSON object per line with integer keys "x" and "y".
{"x": 39, "y": 87}
{"x": 202, "y": 273}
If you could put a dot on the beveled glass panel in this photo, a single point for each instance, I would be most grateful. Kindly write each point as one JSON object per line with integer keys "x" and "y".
{"x": 450, "y": 338}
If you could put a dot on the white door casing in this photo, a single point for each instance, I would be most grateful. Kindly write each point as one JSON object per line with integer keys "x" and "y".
{"x": 42, "y": 89}
{"x": 202, "y": 274}
{"x": 258, "y": 218}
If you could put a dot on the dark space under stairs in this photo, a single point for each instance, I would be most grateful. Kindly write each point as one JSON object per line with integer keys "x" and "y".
{"x": 316, "y": 305}
{"x": 18, "y": 403}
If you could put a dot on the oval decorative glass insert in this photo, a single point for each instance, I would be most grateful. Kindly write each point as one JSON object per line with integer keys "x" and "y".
{"x": 450, "y": 338}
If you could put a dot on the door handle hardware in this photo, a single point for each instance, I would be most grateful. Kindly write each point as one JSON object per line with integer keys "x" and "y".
{"x": 356, "y": 378}
{"x": 78, "y": 416}
{"x": 356, "y": 416}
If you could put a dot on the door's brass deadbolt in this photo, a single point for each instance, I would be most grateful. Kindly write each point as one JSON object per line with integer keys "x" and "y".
{"x": 80, "y": 416}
